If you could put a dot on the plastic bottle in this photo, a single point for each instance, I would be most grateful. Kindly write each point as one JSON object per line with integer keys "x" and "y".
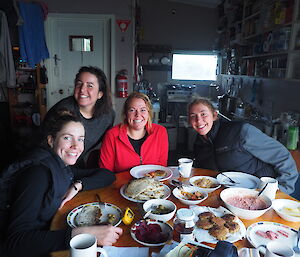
{"x": 292, "y": 137}
{"x": 184, "y": 225}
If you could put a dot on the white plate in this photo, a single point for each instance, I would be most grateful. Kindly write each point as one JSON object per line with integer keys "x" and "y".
{"x": 108, "y": 209}
{"x": 167, "y": 193}
{"x": 190, "y": 189}
{"x": 142, "y": 170}
{"x": 206, "y": 189}
{"x": 243, "y": 180}
{"x": 257, "y": 240}
{"x": 165, "y": 227}
{"x": 202, "y": 235}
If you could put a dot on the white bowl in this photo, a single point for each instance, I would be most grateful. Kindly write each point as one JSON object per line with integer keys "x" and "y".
{"x": 244, "y": 213}
{"x": 166, "y": 229}
{"x": 156, "y": 202}
{"x": 279, "y": 204}
{"x": 206, "y": 189}
{"x": 190, "y": 189}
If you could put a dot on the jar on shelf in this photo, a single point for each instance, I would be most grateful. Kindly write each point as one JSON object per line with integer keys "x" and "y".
{"x": 184, "y": 225}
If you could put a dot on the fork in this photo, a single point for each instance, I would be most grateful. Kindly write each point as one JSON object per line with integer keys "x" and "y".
{"x": 230, "y": 179}
{"x": 101, "y": 204}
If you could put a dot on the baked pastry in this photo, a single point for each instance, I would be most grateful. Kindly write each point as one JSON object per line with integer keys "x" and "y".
{"x": 145, "y": 189}
{"x": 204, "y": 224}
{"x": 88, "y": 216}
{"x": 206, "y": 215}
{"x": 217, "y": 221}
{"x": 219, "y": 232}
{"x": 232, "y": 226}
{"x": 229, "y": 217}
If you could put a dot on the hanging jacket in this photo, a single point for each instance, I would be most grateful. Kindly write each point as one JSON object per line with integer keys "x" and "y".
{"x": 239, "y": 146}
{"x": 117, "y": 154}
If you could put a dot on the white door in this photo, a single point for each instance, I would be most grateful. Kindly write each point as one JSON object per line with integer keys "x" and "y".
{"x": 63, "y": 33}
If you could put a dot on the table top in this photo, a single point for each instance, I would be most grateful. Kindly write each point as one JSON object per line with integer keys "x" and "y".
{"x": 111, "y": 194}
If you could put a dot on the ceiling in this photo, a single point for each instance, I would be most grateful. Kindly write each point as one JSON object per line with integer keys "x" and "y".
{"x": 205, "y": 3}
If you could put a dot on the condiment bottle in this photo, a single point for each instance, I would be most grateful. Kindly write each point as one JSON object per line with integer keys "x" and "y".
{"x": 184, "y": 225}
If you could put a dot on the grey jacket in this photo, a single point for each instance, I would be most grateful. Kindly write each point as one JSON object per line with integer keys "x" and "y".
{"x": 239, "y": 146}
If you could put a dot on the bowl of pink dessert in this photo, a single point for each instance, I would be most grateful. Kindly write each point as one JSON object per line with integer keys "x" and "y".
{"x": 244, "y": 203}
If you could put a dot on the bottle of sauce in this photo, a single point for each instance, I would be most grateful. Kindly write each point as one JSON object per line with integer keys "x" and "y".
{"x": 184, "y": 225}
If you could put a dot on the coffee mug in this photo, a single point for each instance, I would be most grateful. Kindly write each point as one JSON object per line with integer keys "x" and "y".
{"x": 85, "y": 245}
{"x": 185, "y": 167}
{"x": 277, "y": 249}
{"x": 271, "y": 188}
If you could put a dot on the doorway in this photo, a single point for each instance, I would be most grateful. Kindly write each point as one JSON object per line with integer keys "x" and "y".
{"x": 76, "y": 40}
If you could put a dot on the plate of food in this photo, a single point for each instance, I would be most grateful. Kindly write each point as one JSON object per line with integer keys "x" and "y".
{"x": 241, "y": 179}
{"x": 206, "y": 183}
{"x": 190, "y": 194}
{"x": 157, "y": 172}
{"x": 143, "y": 189}
{"x": 215, "y": 224}
{"x": 91, "y": 214}
{"x": 151, "y": 232}
{"x": 263, "y": 232}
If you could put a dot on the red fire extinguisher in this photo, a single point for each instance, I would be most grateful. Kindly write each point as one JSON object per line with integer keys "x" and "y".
{"x": 122, "y": 84}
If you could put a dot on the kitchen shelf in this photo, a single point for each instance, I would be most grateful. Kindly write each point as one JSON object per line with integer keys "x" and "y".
{"x": 157, "y": 67}
{"x": 265, "y": 55}
{"x": 154, "y": 48}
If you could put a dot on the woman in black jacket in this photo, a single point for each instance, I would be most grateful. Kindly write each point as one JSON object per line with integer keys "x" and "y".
{"x": 239, "y": 146}
{"x": 44, "y": 187}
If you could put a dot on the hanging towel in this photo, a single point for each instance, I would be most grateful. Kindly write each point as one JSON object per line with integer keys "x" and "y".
{"x": 33, "y": 48}
{"x": 7, "y": 66}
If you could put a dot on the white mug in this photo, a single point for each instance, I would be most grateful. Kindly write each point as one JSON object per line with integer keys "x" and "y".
{"x": 185, "y": 167}
{"x": 277, "y": 249}
{"x": 85, "y": 245}
{"x": 271, "y": 189}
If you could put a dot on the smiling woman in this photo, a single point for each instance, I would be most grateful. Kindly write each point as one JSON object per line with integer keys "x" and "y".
{"x": 137, "y": 140}
{"x": 91, "y": 102}
{"x": 45, "y": 180}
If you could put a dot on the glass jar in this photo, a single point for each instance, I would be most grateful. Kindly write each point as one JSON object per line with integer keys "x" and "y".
{"x": 184, "y": 225}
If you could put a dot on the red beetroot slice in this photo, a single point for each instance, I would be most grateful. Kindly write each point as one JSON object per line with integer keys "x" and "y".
{"x": 284, "y": 233}
{"x": 150, "y": 233}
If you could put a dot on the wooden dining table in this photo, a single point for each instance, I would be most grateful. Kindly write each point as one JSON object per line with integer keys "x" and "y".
{"x": 111, "y": 194}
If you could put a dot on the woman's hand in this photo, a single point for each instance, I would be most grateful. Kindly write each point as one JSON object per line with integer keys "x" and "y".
{"x": 105, "y": 234}
{"x": 71, "y": 193}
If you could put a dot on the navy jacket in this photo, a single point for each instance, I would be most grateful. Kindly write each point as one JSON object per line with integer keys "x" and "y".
{"x": 239, "y": 146}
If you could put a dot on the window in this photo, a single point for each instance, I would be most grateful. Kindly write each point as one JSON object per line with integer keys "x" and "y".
{"x": 196, "y": 66}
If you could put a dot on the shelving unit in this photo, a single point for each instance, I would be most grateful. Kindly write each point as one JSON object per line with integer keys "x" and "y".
{"x": 268, "y": 43}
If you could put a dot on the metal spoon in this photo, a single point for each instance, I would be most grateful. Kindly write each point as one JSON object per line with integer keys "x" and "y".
{"x": 101, "y": 204}
{"x": 262, "y": 190}
{"x": 296, "y": 248}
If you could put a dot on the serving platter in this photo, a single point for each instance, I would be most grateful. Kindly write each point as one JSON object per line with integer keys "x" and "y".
{"x": 202, "y": 235}
{"x": 142, "y": 171}
{"x": 264, "y": 226}
{"x": 105, "y": 210}
{"x": 242, "y": 179}
{"x": 167, "y": 193}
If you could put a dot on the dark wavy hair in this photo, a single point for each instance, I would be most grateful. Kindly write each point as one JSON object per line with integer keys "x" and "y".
{"x": 56, "y": 122}
{"x": 104, "y": 104}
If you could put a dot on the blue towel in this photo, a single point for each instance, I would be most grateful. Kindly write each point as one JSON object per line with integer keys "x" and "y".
{"x": 33, "y": 48}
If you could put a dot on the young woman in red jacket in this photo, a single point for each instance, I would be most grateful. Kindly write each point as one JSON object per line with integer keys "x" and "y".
{"x": 136, "y": 140}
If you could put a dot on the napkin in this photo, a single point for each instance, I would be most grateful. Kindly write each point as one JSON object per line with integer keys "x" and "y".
{"x": 114, "y": 251}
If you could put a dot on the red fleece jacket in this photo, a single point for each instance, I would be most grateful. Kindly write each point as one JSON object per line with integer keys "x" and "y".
{"x": 117, "y": 153}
